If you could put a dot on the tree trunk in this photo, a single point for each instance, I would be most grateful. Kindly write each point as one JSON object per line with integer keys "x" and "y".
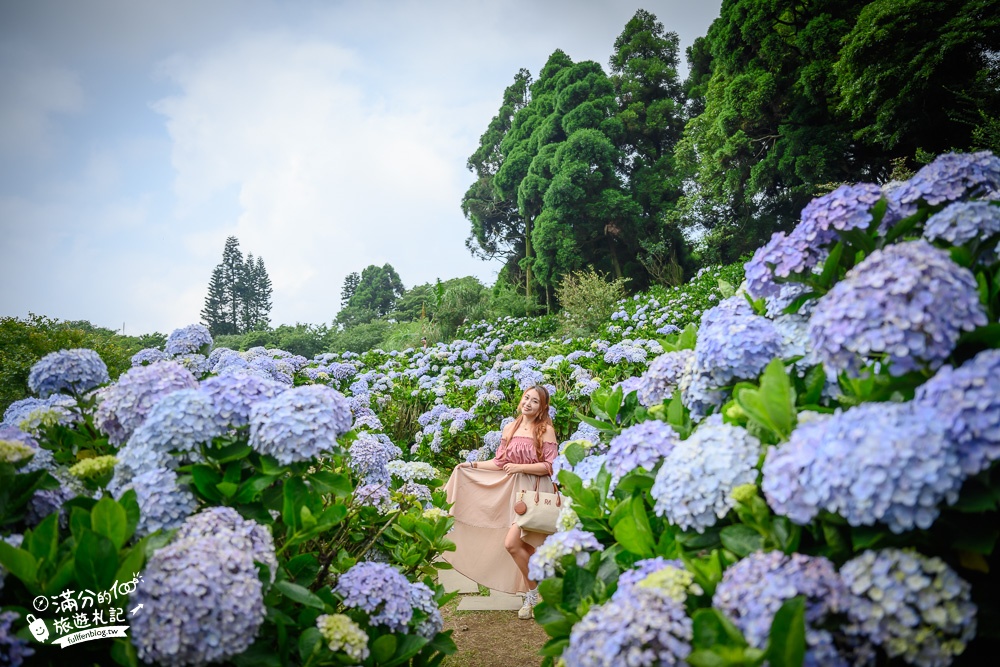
{"x": 614, "y": 258}
{"x": 528, "y": 253}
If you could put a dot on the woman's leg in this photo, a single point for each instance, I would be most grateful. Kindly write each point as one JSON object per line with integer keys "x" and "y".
{"x": 519, "y": 550}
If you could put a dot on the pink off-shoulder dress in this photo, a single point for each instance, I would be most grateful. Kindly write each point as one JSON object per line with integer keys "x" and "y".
{"x": 484, "y": 511}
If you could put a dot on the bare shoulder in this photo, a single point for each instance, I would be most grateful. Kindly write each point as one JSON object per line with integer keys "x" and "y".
{"x": 508, "y": 430}
{"x": 550, "y": 434}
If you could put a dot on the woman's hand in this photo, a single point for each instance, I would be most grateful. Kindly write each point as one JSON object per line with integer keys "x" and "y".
{"x": 513, "y": 468}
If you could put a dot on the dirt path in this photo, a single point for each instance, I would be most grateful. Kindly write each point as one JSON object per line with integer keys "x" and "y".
{"x": 492, "y": 638}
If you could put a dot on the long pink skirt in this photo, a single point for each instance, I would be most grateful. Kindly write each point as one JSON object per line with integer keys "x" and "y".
{"x": 484, "y": 511}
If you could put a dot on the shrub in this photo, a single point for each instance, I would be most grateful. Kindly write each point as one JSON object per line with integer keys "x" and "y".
{"x": 588, "y": 299}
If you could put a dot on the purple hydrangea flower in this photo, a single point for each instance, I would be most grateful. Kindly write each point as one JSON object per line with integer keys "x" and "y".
{"x": 888, "y": 462}
{"x": 545, "y": 562}
{"x": 70, "y": 371}
{"x": 188, "y": 340}
{"x": 370, "y": 455}
{"x": 663, "y": 376}
{"x": 628, "y": 385}
{"x": 163, "y": 503}
{"x": 18, "y": 410}
{"x": 374, "y": 495}
{"x": 949, "y": 177}
{"x": 911, "y": 605}
{"x": 642, "y": 628}
{"x": 846, "y": 208}
{"x": 907, "y": 303}
{"x": 125, "y": 404}
{"x": 422, "y": 599}
{"x": 149, "y": 355}
{"x": 196, "y": 363}
{"x": 226, "y": 524}
{"x": 733, "y": 343}
{"x": 967, "y": 401}
{"x": 299, "y": 424}
{"x": 640, "y": 446}
{"x": 752, "y": 591}
{"x": 13, "y": 648}
{"x": 181, "y": 421}
{"x": 625, "y": 351}
{"x": 962, "y": 222}
{"x": 208, "y": 601}
{"x": 233, "y": 396}
{"x": 380, "y": 591}
{"x": 693, "y": 486}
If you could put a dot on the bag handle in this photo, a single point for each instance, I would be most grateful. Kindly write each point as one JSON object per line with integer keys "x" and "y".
{"x": 555, "y": 488}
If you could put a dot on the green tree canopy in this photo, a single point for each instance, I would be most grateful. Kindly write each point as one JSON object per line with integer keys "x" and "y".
{"x": 239, "y": 293}
{"x": 375, "y": 295}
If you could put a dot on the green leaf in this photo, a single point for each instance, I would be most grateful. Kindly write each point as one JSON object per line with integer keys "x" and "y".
{"x": 786, "y": 646}
{"x": 830, "y": 266}
{"x": 295, "y": 495}
{"x": 632, "y": 530}
{"x": 327, "y": 482}
{"x": 726, "y": 289}
{"x": 79, "y": 520}
{"x": 800, "y": 301}
{"x": 575, "y": 453}
{"x": 712, "y": 628}
{"x": 96, "y": 561}
{"x": 130, "y": 503}
{"x": 407, "y": 647}
{"x": 904, "y": 226}
{"x": 988, "y": 335}
{"x": 205, "y": 480}
{"x": 578, "y": 585}
{"x": 309, "y": 643}
{"x": 43, "y": 540}
{"x": 227, "y": 489}
{"x": 300, "y": 594}
{"x": 109, "y": 519}
{"x": 303, "y": 568}
{"x": 741, "y": 539}
{"x": 20, "y": 563}
{"x": 251, "y": 487}
{"x": 133, "y": 561}
{"x": 383, "y": 648}
{"x": 233, "y": 452}
{"x": 614, "y": 404}
{"x": 773, "y": 405}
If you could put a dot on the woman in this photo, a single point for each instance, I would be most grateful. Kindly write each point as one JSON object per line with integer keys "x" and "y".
{"x": 483, "y": 496}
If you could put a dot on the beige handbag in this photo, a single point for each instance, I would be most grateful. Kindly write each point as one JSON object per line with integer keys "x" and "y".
{"x": 536, "y": 510}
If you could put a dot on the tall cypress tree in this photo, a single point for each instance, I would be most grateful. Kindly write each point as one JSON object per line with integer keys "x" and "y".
{"x": 239, "y": 293}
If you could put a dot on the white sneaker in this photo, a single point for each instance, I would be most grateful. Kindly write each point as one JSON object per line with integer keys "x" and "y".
{"x": 527, "y": 610}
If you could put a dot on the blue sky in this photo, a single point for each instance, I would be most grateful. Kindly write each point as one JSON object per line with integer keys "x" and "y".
{"x": 135, "y": 136}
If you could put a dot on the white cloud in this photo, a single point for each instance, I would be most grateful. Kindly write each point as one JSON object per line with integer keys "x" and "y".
{"x": 329, "y": 179}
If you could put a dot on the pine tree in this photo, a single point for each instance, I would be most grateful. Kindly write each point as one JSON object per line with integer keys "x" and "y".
{"x": 262, "y": 295}
{"x": 239, "y": 294}
{"x": 349, "y": 288}
{"x": 214, "y": 314}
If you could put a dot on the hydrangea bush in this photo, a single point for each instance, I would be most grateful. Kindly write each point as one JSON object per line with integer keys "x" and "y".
{"x": 797, "y": 470}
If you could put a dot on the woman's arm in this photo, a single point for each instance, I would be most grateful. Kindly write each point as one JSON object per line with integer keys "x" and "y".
{"x": 481, "y": 465}
{"x": 544, "y": 467}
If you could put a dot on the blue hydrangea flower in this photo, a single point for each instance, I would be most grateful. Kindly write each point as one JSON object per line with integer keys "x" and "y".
{"x": 374, "y": 495}
{"x": 149, "y": 355}
{"x": 163, "y": 503}
{"x": 886, "y": 462}
{"x": 628, "y": 385}
{"x": 642, "y": 628}
{"x": 625, "y": 351}
{"x": 208, "y": 601}
{"x": 961, "y": 222}
{"x": 911, "y": 605}
{"x": 752, "y": 591}
{"x": 13, "y": 648}
{"x": 640, "y": 446}
{"x": 18, "y": 410}
{"x": 422, "y": 599}
{"x": 967, "y": 400}
{"x": 379, "y": 590}
{"x": 196, "y": 363}
{"x": 299, "y": 424}
{"x": 807, "y": 246}
{"x": 949, "y": 177}
{"x": 188, "y": 340}
{"x": 233, "y": 396}
{"x": 733, "y": 343}
{"x": 70, "y": 371}
{"x": 370, "y": 456}
{"x": 693, "y": 486}
{"x": 663, "y": 376}
{"x": 643, "y": 569}
{"x": 544, "y": 563}
{"x": 907, "y": 304}
{"x": 226, "y": 524}
{"x": 181, "y": 421}
{"x": 124, "y": 405}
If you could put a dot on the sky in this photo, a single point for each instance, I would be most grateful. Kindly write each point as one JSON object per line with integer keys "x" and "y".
{"x": 137, "y": 135}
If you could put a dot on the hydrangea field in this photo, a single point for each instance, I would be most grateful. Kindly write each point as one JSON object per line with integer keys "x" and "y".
{"x": 791, "y": 462}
